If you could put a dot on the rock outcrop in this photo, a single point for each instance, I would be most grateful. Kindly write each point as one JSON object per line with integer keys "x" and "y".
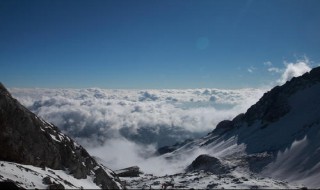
{"x": 209, "y": 164}
{"x": 27, "y": 139}
{"x": 133, "y": 171}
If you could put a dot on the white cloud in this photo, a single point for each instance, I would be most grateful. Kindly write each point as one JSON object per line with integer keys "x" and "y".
{"x": 275, "y": 70}
{"x": 121, "y": 153}
{"x": 100, "y": 114}
{"x": 294, "y": 70}
{"x": 291, "y": 70}
{"x": 268, "y": 63}
{"x": 105, "y": 121}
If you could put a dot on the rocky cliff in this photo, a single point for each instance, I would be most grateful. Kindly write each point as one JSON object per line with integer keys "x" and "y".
{"x": 27, "y": 139}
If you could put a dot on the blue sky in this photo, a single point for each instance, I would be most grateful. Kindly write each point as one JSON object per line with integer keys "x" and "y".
{"x": 153, "y": 43}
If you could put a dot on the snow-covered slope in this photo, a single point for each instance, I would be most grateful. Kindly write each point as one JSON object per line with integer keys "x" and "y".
{"x": 33, "y": 143}
{"x": 31, "y": 177}
{"x": 277, "y": 137}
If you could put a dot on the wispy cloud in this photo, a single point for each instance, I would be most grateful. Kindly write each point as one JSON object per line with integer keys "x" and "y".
{"x": 275, "y": 70}
{"x": 294, "y": 70}
{"x": 268, "y": 63}
{"x": 251, "y": 69}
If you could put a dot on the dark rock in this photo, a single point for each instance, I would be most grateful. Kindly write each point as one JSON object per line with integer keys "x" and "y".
{"x": 227, "y": 125}
{"x": 133, "y": 171}
{"x": 156, "y": 183}
{"x": 9, "y": 185}
{"x": 168, "y": 149}
{"x": 236, "y": 181}
{"x": 273, "y": 105}
{"x": 212, "y": 185}
{"x": 47, "y": 180}
{"x": 27, "y": 139}
{"x": 254, "y": 187}
{"x": 258, "y": 161}
{"x": 165, "y": 149}
{"x": 55, "y": 186}
{"x": 209, "y": 164}
{"x": 224, "y": 126}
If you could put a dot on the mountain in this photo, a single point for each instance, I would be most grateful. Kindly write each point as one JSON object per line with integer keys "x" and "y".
{"x": 277, "y": 137}
{"x": 36, "y": 148}
{"x": 275, "y": 144}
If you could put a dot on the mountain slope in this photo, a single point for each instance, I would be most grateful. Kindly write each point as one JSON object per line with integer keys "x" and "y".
{"x": 279, "y": 136}
{"x": 29, "y": 140}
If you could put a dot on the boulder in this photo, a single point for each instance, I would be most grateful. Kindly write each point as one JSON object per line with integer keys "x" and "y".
{"x": 209, "y": 164}
{"x": 133, "y": 171}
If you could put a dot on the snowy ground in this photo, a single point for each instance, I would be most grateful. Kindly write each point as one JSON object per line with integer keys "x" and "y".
{"x": 207, "y": 180}
{"x": 30, "y": 177}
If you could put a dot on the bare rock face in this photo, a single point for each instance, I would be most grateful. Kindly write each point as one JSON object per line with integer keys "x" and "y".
{"x": 209, "y": 164}
{"x": 27, "y": 139}
{"x": 133, "y": 171}
{"x": 9, "y": 185}
{"x": 273, "y": 104}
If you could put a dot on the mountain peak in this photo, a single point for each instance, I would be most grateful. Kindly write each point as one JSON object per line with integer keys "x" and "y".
{"x": 3, "y": 90}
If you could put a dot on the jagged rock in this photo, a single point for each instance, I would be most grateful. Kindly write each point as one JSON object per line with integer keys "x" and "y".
{"x": 55, "y": 186}
{"x": 224, "y": 126}
{"x": 273, "y": 104}
{"x": 209, "y": 164}
{"x": 227, "y": 125}
{"x": 133, "y": 171}
{"x": 27, "y": 139}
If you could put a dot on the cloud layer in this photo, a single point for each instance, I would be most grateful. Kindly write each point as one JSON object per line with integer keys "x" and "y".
{"x": 132, "y": 123}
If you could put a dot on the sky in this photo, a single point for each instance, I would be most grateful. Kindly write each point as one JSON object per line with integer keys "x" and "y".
{"x": 154, "y": 43}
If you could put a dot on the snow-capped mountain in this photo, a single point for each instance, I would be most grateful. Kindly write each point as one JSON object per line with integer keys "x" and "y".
{"x": 275, "y": 144}
{"x": 35, "y": 154}
{"x": 277, "y": 137}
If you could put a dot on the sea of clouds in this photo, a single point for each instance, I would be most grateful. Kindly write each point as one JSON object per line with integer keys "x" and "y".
{"x": 144, "y": 120}
{"x": 125, "y": 127}
{"x": 99, "y": 114}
